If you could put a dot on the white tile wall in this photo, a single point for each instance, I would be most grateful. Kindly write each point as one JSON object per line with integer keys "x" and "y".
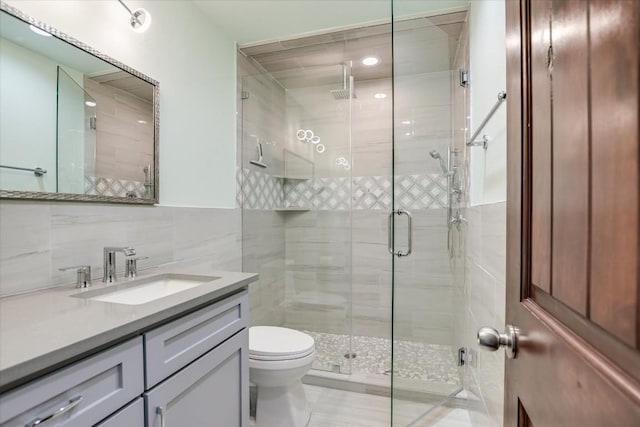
{"x": 484, "y": 301}
{"x": 38, "y": 238}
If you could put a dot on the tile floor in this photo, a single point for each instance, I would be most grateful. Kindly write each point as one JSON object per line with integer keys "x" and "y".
{"x": 413, "y": 360}
{"x": 339, "y": 408}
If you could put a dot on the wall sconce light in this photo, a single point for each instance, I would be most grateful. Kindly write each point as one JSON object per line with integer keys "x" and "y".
{"x": 140, "y": 18}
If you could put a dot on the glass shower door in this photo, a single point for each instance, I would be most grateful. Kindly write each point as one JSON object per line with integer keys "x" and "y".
{"x": 297, "y": 209}
{"x": 427, "y": 169}
{"x": 76, "y": 137}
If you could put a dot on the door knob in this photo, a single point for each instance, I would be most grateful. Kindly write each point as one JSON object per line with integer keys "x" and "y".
{"x": 491, "y": 340}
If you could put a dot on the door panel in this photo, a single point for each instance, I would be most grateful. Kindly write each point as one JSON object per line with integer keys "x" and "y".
{"x": 572, "y": 224}
{"x": 569, "y": 72}
{"x": 614, "y": 34}
{"x": 541, "y": 135}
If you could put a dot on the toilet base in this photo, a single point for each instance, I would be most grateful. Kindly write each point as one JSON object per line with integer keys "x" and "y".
{"x": 284, "y": 406}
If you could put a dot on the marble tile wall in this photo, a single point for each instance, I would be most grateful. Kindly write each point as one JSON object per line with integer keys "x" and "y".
{"x": 259, "y": 192}
{"x": 484, "y": 299}
{"x": 124, "y": 134}
{"x": 338, "y": 265}
{"x": 39, "y": 238}
{"x": 263, "y": 252}
{"x": 423, "y": 282}
{"x": 318, "y": 271}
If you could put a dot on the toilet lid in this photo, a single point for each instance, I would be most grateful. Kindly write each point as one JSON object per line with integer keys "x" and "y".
{"x": 274, "y": 343}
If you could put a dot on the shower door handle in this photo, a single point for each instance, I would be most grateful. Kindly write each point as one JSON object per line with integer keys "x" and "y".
{"x": 399, "y": 253}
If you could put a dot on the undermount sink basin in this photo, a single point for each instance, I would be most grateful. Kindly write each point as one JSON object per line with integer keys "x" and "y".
{"x": 144, "y": 290}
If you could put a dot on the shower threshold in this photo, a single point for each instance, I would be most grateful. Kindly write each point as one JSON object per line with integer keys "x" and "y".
{"x": 422, "y": 371}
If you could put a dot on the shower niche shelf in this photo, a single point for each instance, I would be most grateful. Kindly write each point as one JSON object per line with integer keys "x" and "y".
{"x": 293, "y": 209}
{"x": 296, "y": 167}
{"x": 292, "y": 178}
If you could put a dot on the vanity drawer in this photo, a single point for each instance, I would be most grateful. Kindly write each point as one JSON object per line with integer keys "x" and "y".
{"x": 171, "y": 347}
{"x": 130, "y": 416}
{"x": 91, "y": 389}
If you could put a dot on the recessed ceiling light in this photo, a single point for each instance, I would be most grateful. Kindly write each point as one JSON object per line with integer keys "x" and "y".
{"x": 370, "y": 60}
{"x": 407, "y": 133}
{"x": 90, "y": 104}
{"x": 38, "y": 31}
{"x": 142, "y": 122}
{"x": 380, "y": 95}
{"x": 406, "y": 122}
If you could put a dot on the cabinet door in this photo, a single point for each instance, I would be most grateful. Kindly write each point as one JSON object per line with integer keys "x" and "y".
{"x": 131, "y": 415}
{"x": 81, "y": 394}
{"x": 173, "y": 346}
{"x": 213, "y": 391}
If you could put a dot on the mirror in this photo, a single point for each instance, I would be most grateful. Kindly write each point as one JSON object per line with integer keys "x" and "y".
{"x": 74, "y": 123}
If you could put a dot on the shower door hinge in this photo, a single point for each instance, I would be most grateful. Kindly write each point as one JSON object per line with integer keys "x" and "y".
{"x": 244, "y": 95}
{"x": 464, "y": 77}
{"x": 461, "y": 356}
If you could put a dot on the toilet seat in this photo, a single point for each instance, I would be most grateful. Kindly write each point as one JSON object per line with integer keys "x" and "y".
{"x": 272, "y": 343}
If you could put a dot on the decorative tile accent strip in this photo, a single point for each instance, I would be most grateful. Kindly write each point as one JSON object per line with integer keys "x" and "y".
{"x": 423, "y": 191}
{"x": 98, "y": 186}
{"x": 257, "y": 190}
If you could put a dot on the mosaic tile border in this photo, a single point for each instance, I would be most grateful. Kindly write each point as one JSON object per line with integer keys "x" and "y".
{"x": 258, "y": 190}
{"x": 99, "y": 186}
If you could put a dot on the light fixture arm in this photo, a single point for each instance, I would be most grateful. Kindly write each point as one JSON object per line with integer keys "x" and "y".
{"x": 130, "y": 12}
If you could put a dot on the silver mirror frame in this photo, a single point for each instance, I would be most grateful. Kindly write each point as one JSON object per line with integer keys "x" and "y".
{"x": 35, "y": 195}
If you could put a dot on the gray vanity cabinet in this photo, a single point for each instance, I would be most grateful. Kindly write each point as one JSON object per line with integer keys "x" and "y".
{"x": 213, "y": 391}
{"x": 173, "y": 346}
{"x": 131, "y": 415}
{"x": 192, "y": 371}
{"x": 79, "y": 395}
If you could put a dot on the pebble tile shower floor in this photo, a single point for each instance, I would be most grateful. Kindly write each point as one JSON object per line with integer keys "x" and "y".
{"x": 414, "y": 360}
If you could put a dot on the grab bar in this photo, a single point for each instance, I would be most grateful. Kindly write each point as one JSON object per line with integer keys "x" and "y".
{"x": 472, "y": 141}
{"x": 36, "y": 171}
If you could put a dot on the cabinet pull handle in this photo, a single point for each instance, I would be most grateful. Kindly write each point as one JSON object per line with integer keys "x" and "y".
{"x": 55, "y": 414}
{"x": 160, "y": 411}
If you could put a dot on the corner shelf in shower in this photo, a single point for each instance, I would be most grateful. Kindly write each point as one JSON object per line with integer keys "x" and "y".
{"x": 291, "y": 178}
{"x": 293, "y": 209}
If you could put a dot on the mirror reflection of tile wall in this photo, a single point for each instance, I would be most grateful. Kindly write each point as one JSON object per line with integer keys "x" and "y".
{"x": 124, "y": 129}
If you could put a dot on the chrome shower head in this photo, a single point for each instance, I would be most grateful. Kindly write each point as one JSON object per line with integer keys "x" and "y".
{"x": 436, "y": 156}
{"x": 344, "y": 92}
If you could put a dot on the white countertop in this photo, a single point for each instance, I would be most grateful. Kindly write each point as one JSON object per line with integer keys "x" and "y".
{"x": 43, "y": 330}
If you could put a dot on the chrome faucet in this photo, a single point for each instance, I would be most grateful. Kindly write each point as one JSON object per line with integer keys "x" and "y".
{"x": 109, "y": 274}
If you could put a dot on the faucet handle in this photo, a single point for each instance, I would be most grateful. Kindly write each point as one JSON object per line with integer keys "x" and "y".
{"x": 83, "y": 279}
{"x": 131, "y": 266}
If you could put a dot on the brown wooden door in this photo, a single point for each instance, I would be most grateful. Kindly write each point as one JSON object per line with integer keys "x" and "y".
{"x": 573, "y": 212}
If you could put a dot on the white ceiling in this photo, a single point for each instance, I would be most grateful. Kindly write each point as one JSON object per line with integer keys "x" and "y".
{"x": 18, "y": 32}
{"x": 304, "y": 62}
{"x": 256, "y": 21}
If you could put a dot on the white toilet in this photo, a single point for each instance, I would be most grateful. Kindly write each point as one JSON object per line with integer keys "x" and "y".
{"x": 278, "y": 359}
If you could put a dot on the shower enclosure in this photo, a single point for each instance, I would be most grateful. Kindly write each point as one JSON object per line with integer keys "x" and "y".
{"x": 356, "y": 224}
